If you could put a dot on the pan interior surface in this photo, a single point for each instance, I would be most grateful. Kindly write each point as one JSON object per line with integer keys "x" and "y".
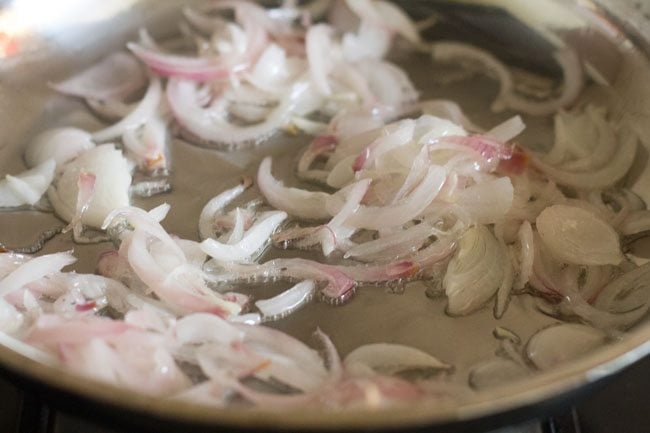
{"x": 49, "y": 45}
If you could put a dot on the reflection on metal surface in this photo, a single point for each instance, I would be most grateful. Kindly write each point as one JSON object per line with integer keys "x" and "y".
{"x": 23, "y": 18}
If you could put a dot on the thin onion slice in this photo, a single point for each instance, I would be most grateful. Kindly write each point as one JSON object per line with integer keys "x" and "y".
{"x": 286, "y": 302}
{"x": 389, "y": 359}
{"x": 577, "y": 236}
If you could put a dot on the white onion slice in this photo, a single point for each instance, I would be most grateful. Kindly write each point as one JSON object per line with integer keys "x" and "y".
{"x": 507, "y": 130}
{"x": 215, "y": 206}
{"x": 577, "y": 236}
{"x": 297, "y": 202}
{"x": 527, "y": 251}
{"x": 374, "y": 250}
{"x": 200, "y": 328}
{"x": 407, "y": 209}
{"x": 558, "y": 344}
{"x": 319, "y": 48}
{"x": 288, "y": 301}
{"x": 389, "y": 359}
{"x": 33, "y": 270}
{"x": 208, "y": 126}
{"x": 144, "y": 111}
{"x": 27, "y": 187}
{"x": 599, "y": 177}
{"x": 476, "y": 271}
{"x": 60, "y": 144}
{"x": 113, "y": 178}
{"x": 487, "y": 202}
{"x": 253, "y": 240}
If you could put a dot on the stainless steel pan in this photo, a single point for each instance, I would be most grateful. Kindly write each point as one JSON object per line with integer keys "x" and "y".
{"x": 43, "y": 41}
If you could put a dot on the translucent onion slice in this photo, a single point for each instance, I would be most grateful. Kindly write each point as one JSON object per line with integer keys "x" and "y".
{"x": 144, "y": 111}
{"x": 319, "y": 53}
{"x": 209, "y": 127}
{"x": 216, "y": 205}
{"x": 495, "y": 372}
{"x": 297, "y": 202}
{"x": 526, "y": 255}
{"x": 558, "y": 344}
{"x": 486, "y": 202}
{"x": 627, "y": 293}
{"x": 254, "y": 240}
{"x": 201, "y": 328}
{"x": 507, "y": 130}
{"x": 476, "y": 271}
{"x": 600, "y": 177}
{"x": 113, "y": 178}
{"x": 411, "y": 206}
{"x": 33, "y": 270}
{"x": 577, "y": 236}
{"x": 389, "y": 359}
{"x": 288, "y": 301}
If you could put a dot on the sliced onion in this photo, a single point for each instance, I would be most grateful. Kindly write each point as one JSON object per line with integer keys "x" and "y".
{"x": 378, "y": 249}
{"x": 113, "y": 178}
{"x": 601, "y": 177}
{"x": 184, "y": 290}
{"x": 209, "y": 127}
{"x": 507, "y": 130}
{"x": 476, "y": 271}
{"x": 27, "y": 187}
{"x": 33, "y": 270}
{"x": 636, "y": 222}
{"x": 558, "y": 344}
{"x": 319, "y": 53}
{"x": 577, "y": 236}
{"x": 297, "y": 202}
{"x": 487, "y": 202}
{"x": 339, "y": 285}
{"x": 201, "y": 328}
{"x": 140, "y": 114}
{"x": 627, "y": 293}
{"x": 527, "y": 251}
{"x": 386, "y": 15}
{"x": 369, "y": 42}
{"x": 320, "y": 146}
{"x": 389, "y": 83}
{"x": 149, "y": 147}
{"x": 404, "y": 211}
{"x": 252, "y": 241}
{"x": 86, "y": 190}
{"x": 389, "y": 359}
{"x": 51, "y": 330}
{"x": 288, "y": 301}
{"x": 495, "y": 373}
{"x": 215, "y": 206}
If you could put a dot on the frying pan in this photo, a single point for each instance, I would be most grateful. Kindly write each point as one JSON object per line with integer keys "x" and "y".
{"x": 44, "y": 41}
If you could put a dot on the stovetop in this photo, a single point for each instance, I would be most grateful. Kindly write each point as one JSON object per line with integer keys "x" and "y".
{"x": 621, "y": 406}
